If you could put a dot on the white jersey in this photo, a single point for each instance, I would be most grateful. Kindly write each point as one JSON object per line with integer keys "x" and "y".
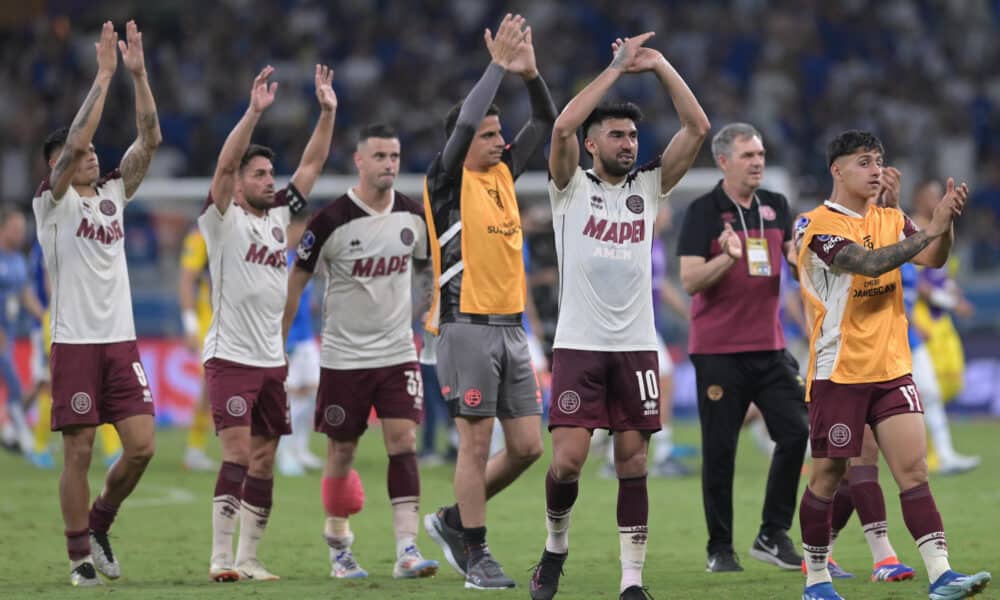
{"x": 604, "y": 236}
{"x": 247, "y": 264}
{"x": 83, "y": 241}
{"x": 367, "y": 302}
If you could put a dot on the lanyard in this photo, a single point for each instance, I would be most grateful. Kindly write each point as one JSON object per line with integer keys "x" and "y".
{"x": 739, "y": 211}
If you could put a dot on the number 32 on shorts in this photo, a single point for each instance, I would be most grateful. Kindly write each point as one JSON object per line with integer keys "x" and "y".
{"x": 912, "y": 398}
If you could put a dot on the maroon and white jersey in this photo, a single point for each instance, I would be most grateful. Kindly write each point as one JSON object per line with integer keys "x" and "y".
{"x": 247, "y": 263}
{"x": 83, "y": 241}
{"x": 366, "y": 255}
{"x": 604, "y": 236}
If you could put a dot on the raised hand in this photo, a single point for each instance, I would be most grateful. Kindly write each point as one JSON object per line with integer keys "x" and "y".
{"x": 730, "y": 242}
{"x": 132, "y": 55}
{"x": 107, "y": 57}
{"x": 324, "y": 88}
{"x": 631, "y": 57}
{"x": 504, "y": 47}
{"x": 950, "y": 207}
{"x": 262, "y": 93}
{"x": 891, "y": 182}
{"x": 524, "y": 61}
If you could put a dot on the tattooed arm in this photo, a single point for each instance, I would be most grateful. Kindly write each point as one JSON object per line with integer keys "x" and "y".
{"x": 136, "y": 161}
{"x": 81, "y": 131}
{"x": 855, "y": 259}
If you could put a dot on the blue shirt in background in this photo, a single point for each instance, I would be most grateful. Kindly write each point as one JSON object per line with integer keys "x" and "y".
{"x": 910, "y": 276}
{"x": 13, "y": 280}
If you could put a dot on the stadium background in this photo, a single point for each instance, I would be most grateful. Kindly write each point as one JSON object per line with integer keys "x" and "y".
{"x": 921, "y": 74}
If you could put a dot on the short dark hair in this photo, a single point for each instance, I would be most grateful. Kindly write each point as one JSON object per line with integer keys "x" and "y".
{"x": 254, "y": 151}
{"x": 452, "y": 119}
{"x": 54, "y": 141}
{"x": 850, "y": 142}
{"x": 377, "y": 130}
{"x": 616, "y": 110}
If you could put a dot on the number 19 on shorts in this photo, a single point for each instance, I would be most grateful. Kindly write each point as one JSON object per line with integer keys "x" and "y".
{"x": 912, "y": 398}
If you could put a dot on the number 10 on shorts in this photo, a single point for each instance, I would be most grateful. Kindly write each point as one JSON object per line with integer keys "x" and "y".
{"x": 912, "y": 398}
{"x": 649, "y": 391}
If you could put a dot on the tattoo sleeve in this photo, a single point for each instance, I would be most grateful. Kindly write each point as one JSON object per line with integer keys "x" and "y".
{"x": 873, "y": 263}
{"x": 136, "y": 161}
{"x": 67, "y": 159}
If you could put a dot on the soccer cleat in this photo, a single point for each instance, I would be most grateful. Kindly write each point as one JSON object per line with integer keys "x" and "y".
{"x": 411, "y": 564}
{"x": 104, "y": 558}
{"x": 672, "y": 468}
{"x": 450, "y": 540}
{"x": 42, "y": 460}
{"x": 254, "y": 570}
{"x": 307, "y": 459}
{"x": 723, "y": 561}
{"x": 821, "y": 591}
{"x": 952, "y": 585}
{"x": 545, "y": 578}
{"x": 195, "y": 459}
{"x": 891, "y": 569}
{"x": 84, "y": 574}
{"x": 957, "y": 464}
{"x": 835, "y": 570}
{"x": 221, "y": 570}
{"x": 111, "y": 459}
{"x": 485, "y": 573}
{"x": 635, "y": 592}
{"x": 343, "y": 565}
{"x": 776, "y": 549}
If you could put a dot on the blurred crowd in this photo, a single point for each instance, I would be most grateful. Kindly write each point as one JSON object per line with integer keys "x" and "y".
{"x": 920, "y": 73}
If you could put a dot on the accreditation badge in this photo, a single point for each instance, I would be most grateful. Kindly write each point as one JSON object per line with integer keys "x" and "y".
{"x": 758, "y": 258}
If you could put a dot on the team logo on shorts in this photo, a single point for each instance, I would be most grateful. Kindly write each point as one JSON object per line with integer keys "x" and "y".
{"x": 81, "y": 403}
{"x": 108, "y": 207}
{"x": 334, "y": 415}
{"x": 236, "y": 406}
{"x": 767, "y": 213}
{"x": 569, "y": 402}
{"x": 839, "y": 435}
{"x": 406, "y": 236}
{"x": 635, "y": 203}
{"x": 472, "y": 398}
{"x": 278, "y": 234}
{"x": 714, "y": 392}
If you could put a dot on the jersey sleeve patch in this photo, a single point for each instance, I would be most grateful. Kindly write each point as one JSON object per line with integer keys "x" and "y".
{"x": 826, "y": 246}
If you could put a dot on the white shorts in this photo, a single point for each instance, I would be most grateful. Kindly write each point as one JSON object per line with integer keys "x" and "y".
{"x": 663, "y": 355}
{"x": 39, "y": 362}
{"x": 303, "y": 366}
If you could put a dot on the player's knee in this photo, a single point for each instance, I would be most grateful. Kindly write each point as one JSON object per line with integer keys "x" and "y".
{"x": 912, "y": 473}
{"x": 526, "y": 452}
{"x": 140, "y": 454}
{"x": 344, "y": 496}
{"x": 78, "y": 455}
{"x": 826, "y": 476}
{"x": 402, "y": 441}
{"x": 566, "y": 466}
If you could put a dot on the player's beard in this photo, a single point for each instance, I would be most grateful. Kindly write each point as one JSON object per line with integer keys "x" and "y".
{"x": 262, "y": 203}
{"x": 614, "y": 167}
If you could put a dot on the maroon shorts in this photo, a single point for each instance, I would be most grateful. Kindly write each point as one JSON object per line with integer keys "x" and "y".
{"x": 242, "y": 395}
{"x": 98, "y": 383}
{"x": 346, "y": 396}
{"x": 617, "y": 391}
{"x": 838, "y": 412}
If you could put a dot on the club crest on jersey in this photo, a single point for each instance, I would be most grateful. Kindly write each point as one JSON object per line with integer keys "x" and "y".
{"x": 569, "y": 402}
{"x": 108, "y": 207}
{"x": 236, "y": 406}
{"x": 767, "y": 213}
{"x": 278, "y": 234}
{"x": 81, "y": 403}
{"x": 106, "y": 235}
{"x": 635, "y": 203}
{"x": 334, "y": 415}
{"x": 839, "y": 435}
{"x": 265, "y": 256}
{"x": 406, "y": 236}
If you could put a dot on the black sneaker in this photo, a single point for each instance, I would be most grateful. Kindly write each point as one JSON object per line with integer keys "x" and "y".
{"x": 635, "y": 592}
{"x": 451, "y": 540}
{"x": 84, "y": 575}
{"x": 104, "y": 558}
{"x": 545, "y": 579}
{"x": 723, "y": 561}
{"x": 485, "y": 573}
{"x": 776, "y": 549}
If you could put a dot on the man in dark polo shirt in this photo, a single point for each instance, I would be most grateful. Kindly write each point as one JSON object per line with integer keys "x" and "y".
{"x": 731, "y": 247}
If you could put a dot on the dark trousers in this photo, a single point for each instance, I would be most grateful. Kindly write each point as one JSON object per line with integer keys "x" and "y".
{"x": 727, "y": 384}
{"x": 435, "y": 409}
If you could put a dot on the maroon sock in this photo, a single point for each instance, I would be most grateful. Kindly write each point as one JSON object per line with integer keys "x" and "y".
{"x": 77, "y": 543}
{"x": 814, "y": 519}
{"x": 866, "y": 493}
{"x": 920, "y": 513}
{"x": 633, "y": 502}
{"x": 560, "y": 495}
{"x": 843, "y": 507}
{"x": 402, "y": 477}
{"x": 102, "y": 515}
{"x": 257, "y": 492}
{"x": 230, "y": 480}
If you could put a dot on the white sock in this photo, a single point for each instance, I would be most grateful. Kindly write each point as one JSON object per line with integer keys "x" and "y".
{"x": 557, "y": 525}
{"x": 338, "y": 533}
{"x": 934, "y": 550}
{"x": 225, "y": 512}
{"x": 632, "y": 541}
{"x": 877, "y": 536}
{"x": 302, "y": 422}
{"x": 816, "y": 564}
{"x": 253, "y": 523}
{"x": 937, "y": 425}
{"x": 663, "y": 444}
{"x": 405, "y": 517}
{"x": 611, "y": 450}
